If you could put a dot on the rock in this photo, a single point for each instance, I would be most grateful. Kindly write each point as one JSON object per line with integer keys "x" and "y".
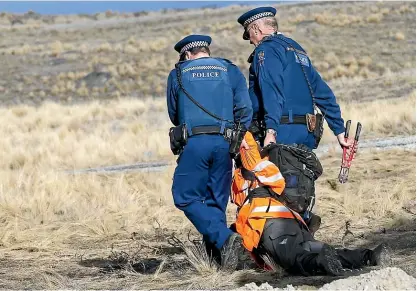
{"x": 410, "y": 206}
{"x": 265, "y": 286}
{"x": 57, "y": 61}
{"x": 95, "y": 79}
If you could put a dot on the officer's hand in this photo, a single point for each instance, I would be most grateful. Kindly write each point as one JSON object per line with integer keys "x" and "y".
{"x": 244, "y": 145}
{"x": 342, "y": 142}
{"x": 269, "y": 138}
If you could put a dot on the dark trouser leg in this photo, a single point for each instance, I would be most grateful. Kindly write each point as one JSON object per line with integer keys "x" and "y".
{"x": 293, "y": 248}
{"x": 190, "y": 189}
{"x": 219, "y": 183}
{"x": 283, "y": 240}
{"x": 354, "y": 259}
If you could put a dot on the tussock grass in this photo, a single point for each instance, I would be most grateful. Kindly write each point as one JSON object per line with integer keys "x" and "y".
{"x": 46, "y": 207}
{"x": 139, "y": 52}
{"x": 77, "y": 136}
{"x": 46, "y": 215}
{"x": 377, "y": 190}
{"x": 197, "y": 256}
{"x": 45, "y": 210}
{"x": 379, "y": 117}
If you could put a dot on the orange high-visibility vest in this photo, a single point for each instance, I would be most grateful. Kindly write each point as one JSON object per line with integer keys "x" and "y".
{"x": 252, "y": 215}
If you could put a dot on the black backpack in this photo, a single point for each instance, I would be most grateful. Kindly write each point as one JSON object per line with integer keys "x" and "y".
{"x": 300, "y": 167}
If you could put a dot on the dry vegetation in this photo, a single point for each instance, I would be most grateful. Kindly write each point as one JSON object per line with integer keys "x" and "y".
{"x": 49, "y": 59}
{"x": 95, "y": 231}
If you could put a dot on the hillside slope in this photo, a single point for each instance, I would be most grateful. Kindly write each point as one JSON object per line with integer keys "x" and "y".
{"x": 357, "y": 46}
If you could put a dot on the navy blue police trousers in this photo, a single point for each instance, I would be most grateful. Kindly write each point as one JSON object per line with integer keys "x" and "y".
{"x": 201, "y": 186}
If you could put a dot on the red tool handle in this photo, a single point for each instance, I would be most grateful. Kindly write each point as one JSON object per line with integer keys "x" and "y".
{"x": 349, "y": 152}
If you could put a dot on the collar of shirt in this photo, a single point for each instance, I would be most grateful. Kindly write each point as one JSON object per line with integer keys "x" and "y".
{"x": 268, "y": 37}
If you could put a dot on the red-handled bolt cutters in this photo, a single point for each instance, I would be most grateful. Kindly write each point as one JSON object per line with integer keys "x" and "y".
{"x": 349, "y": 152}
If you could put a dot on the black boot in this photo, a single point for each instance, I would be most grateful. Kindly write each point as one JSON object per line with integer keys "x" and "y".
{"x": 380, "y": 256}
{"x": 233, "y": 253}
{"x": 213, "y": 252}
{"x": 329, "y": 262}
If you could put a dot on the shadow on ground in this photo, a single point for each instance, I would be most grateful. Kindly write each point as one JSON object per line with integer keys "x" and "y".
{"x": 139, "y": 262}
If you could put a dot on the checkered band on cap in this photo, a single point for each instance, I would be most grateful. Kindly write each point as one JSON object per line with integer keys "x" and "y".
{"x": 256, "y": 17}
{"x": 205, "y": 68}
{"x": 193, "y": 44}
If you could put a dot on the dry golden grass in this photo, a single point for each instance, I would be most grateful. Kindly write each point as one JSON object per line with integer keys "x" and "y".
{"x": 139, "y": 52}
{"x": 130, "y": 130}
{"x": 75, "y": 136}
{"x": 48, "y": 215}
{"x": 380, "y": 117}
{"x": 48, "y": 218}
{"x": 42, "y": 205}
{"x": 381, "y": 184}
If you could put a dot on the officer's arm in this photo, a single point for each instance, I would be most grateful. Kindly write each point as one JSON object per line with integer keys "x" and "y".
{"x": 172, "y": 89}
{"x": 269, "y": 72}
{"x": 242, "y": 105}
{"x": 326, "y": 101}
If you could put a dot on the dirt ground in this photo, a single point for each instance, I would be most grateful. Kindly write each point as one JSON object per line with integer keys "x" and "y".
{"x": 81, "y": 92}
{"x": 136, "y": 261}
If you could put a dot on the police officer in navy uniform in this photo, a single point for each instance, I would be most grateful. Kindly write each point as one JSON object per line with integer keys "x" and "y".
{"x": 202, "y": 178}
{"x": 277, "y": 85}
{"x": 283, "y": 84}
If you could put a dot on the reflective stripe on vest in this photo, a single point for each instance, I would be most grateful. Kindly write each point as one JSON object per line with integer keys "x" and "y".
{"x": 262, "y": 165}
{"x": 271, "y": 209}
{"x": 271, "y": 179}
{"x": 275, "y": 208}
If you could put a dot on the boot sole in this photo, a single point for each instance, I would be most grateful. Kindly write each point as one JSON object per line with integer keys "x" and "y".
{"x": 332, "y": 264}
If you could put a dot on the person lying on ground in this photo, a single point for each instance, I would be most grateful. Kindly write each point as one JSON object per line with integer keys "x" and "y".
{"x": 275, "y": 234}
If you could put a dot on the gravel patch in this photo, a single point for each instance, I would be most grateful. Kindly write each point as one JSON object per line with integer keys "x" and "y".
{"x": 384, "y": 279}
{"x": 396, "y": 142}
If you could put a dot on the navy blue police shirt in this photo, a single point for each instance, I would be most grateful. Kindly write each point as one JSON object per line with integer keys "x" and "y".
{"x": 242, "y": 107}
{"x": 277, "y": 85}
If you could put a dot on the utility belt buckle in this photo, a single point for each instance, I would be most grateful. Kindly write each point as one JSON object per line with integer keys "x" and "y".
{"x": 311, "y": 122}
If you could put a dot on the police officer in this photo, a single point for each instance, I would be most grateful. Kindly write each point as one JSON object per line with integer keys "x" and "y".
{"x": 207, "y": 95}
{"x": 279, "y": 79}
{"x": 285, "y": 88}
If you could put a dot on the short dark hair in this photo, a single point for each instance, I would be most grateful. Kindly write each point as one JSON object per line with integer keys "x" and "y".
{"x": 196, "y": 50}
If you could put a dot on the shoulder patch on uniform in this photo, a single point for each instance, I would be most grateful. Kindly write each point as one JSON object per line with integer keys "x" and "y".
{"x": 261, "y": 57}
{"x": 302, "y": 58}
{"x": 296, "y": 50}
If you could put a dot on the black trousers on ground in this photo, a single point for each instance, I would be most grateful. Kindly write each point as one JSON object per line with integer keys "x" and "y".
{"x": 293, "y": 248}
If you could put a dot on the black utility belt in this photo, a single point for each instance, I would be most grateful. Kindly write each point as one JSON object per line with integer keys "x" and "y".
{"x": 211, "y": 129}
{"x": 310, "y": 120}
{"x": 297, "y": 119}
{"x": 314, "y": 123}
{"x": 179, "y": 136}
